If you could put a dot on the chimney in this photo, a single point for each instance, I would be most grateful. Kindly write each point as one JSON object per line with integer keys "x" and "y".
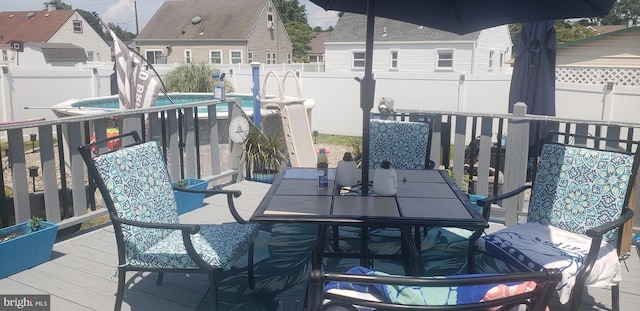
{"x": 51, "y": 7}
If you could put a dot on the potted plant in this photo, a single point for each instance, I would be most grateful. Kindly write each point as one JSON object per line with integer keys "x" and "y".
{"x": 188, "y": 201}
{"x": 263, "y": 155}
{"x": 26, "y": 245}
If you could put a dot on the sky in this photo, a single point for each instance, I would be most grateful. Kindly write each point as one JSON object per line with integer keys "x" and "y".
{"x": 122, "y": 13}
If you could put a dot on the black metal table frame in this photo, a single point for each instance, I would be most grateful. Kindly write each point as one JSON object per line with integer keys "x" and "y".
{"x": 410, "y": 243}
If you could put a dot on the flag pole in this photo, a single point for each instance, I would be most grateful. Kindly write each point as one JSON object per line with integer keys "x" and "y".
{"x": 162, "y": 89}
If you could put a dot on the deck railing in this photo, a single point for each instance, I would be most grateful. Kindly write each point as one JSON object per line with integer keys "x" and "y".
{"x": 470, "y": 145}
{"x": 54, "y": 178}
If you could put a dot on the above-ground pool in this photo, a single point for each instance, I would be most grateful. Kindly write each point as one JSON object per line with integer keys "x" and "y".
{"x": 110, "y": 103}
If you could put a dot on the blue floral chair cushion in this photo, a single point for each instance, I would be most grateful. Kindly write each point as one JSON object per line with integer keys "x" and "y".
{"x": 577, "y": 189}
{"x": 141, "y": 190}
{"x": 404, "y": 144}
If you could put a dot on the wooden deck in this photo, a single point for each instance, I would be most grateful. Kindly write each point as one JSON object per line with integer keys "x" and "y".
{"x": 80, "y": 274}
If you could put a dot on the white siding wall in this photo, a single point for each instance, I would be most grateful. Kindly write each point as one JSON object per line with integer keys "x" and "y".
{"x": 30, "y": 57}
{"x": 498, "y": 40}
{"x": 615, "y": 51}
{"x": 87, "y": 39}
{"x": 412, "y": 57}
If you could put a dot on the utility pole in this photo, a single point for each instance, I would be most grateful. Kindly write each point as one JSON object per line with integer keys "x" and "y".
{"x": 135, "y": 8}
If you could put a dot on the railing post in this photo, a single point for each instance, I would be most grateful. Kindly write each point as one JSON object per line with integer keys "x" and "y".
{"x": 516, "y": 161}
{"x": 19, "y": 175}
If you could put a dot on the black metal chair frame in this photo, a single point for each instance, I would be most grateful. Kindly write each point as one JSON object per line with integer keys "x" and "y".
{"x": 187, "y": 229}
{"x": 596, "y": 234}
{"x": 536, "y": 299}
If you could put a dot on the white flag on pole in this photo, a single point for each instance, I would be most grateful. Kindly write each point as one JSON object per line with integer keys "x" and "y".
{"x": 137, "y": 88}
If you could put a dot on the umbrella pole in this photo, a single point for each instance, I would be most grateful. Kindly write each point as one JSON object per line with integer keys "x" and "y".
{"x": 367, "y": 92}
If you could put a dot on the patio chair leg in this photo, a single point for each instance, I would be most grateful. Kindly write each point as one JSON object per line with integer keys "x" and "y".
{"x": 160, "y": 278}
{"x": 577, "y": 294}
{"x": 252, "y": 281}
{"x": 615, "y": 298}
{"x": 213, "y": 291}
{"x": 120, "y": 293}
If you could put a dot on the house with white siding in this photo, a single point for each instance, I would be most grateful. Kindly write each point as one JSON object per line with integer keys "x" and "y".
{"x": 216, "y": 32}
{"x": 612, "y": 57}
{"x": 54, "y": 37}
{"x": 404, "y": 47}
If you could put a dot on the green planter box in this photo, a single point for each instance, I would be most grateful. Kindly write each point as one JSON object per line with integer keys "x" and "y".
{"x": 28, "y": 250}
{"x": 190, "y": 201}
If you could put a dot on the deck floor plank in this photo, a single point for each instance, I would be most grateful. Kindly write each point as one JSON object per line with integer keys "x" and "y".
{"x": 80, "y": 274}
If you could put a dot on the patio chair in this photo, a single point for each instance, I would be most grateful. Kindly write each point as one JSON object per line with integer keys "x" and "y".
{"x": 578, "y": 206}
{"x": 405, "y": 144}
{"x": 137, "y": 190}
{"x": 373, "y": 290}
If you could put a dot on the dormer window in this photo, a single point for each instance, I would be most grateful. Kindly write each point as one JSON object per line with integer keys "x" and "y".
{"x": 270, "y": 21}
{"x": 77, "y": 26}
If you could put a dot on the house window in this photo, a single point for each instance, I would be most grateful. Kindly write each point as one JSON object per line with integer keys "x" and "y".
{"x": 271, "y": 58}
{"x": 215, "y": 57}
{"x": 5, "y": 56}
{"x": 491, "y": 53}
{"x": 501, "y": 60}
{"x": 445, "y": 59}
{"x": 154, "y": 56}
{"x": 288, "y": 58}
{"x": 394, "y": 60}
{"x": 77, "y": 26}
{"x": 236, "y": 57}
{"x": 270, "y": 21}
{"x": 187, "y": 57}
{"x": 250, "y": 57}
{"x": 358, "y": 60}
{"x": 90, "y": 56}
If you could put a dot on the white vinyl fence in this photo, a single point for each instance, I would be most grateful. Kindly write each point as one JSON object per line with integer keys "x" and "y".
{"x": 29, "y": 92}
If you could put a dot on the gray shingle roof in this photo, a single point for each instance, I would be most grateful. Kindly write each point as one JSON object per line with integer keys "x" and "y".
{"x": 351, "y": 27}
{"x": 220, "y": 20}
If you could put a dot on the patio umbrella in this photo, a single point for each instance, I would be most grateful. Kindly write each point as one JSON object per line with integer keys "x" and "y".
{"x": 534, "y": 79}
{"x": 534, "y": 74}
{"x": 457, "y": 16}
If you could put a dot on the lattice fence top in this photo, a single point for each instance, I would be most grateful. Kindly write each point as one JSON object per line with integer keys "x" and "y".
{"x": 598, "y": 75}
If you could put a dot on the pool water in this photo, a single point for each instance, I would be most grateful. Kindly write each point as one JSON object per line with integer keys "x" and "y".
{"x": 112, "y": 102}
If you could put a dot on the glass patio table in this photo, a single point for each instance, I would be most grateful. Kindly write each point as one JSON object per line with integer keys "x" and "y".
{"x": 425, "y": 198}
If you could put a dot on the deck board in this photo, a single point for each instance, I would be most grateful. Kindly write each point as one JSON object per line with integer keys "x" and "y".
{"x": 80, "y": 274}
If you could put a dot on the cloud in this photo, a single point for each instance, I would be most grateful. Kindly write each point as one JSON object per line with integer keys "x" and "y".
{"x": 121, "y": 13}
{"x": 322, "y": 18}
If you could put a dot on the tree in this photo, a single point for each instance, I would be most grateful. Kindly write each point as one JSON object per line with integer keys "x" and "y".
{"x": 294, "y": 18}
{"x": 58, "y": 4}
{"x": 621, "y": 12}
{"x": 121, "y": 33}
{"x": 93, "y": 22}
{"x": 565, "y": 31}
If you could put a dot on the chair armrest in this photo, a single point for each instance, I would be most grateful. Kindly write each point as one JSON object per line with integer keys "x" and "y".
{"x": 599, "y": 231}
{"x": 230, "y": 195}
{"x": 596, "y": 234}
{"x": 486, "y": 202}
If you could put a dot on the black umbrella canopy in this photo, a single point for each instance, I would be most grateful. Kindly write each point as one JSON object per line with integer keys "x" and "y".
{"x": 464, "y": 16}
{"x": 457, "y": 16}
